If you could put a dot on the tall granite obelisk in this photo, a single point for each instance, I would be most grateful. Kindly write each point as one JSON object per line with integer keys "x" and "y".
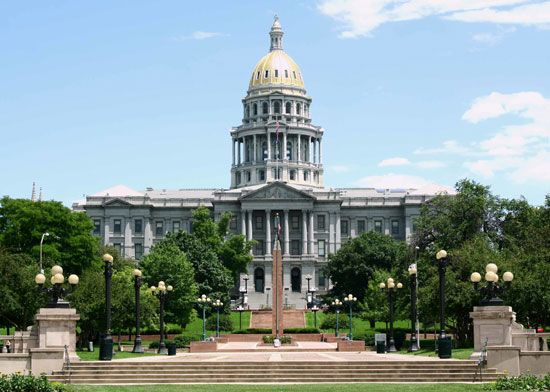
{"x": 277, "y": 283}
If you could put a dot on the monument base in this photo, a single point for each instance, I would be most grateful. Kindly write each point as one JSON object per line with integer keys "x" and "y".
{"x": 350, "y": 345}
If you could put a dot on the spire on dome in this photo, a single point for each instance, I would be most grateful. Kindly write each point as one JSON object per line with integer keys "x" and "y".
{"x": 276, "y": 34}
{"x": 33, "y": 194}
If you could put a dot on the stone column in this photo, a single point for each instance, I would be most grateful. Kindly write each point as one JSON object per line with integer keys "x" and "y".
{"x": 243, "y": 222}
{"x": 338, "y": 233}
{"x": 310, "y": 233}
{"x": 331, "y": 235}
{"x": 304, "y": 232}
{"x": 269, "y": 157}
{"x": 239, "y": 152}
{"x": 352, "y": 226}
{"x": 309, "y": 155}
{"x": 299, "y": 152}
{"x": 249, "y": 229}
{"x": 287, "y": 237}
{"x": 320, "y": 152}
{"x": 284, "y": 150}
{"x": 387, "y": 226}
{"x": 106, "y": 232}
{"x": 127, "y": 239}
{"x": 233, "y": 151}
{"x": 148, "y": 236}
{"x": 255, "y": 158}
{"x": 268, "y": 232}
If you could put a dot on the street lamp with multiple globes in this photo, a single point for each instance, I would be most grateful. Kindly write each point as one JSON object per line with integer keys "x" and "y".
{"x": 57, "y": 293}
{"x": 444, "y": 348}
{"x": 337, "y": 304}
{"x": 137, "y": 286}
{"x": 106, "y": 342}
{"x": 350, "y": 300}
{"x": 203, "y": 301}
{"x": 492, "y": 289}
{"x": 161, "y": 291}
{"x": 217, "y": 305}
{"x": 390, "y": 287}
{"x": 414, "y": 314}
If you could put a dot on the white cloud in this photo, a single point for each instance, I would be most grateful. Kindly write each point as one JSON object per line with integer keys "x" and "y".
{"x": 361, "y": 17}
{"x": 397, "y": 161}
{"x": 340, "y": 168}
{"x": 492, "y": 38}
{"x": 430, "y": 164}
{"x": 200, "y": 35}
{"x": 392, "y": 181}
{"x": 448, "y": 147}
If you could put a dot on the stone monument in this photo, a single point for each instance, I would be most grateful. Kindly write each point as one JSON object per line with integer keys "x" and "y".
{"x": 277, "y": 284}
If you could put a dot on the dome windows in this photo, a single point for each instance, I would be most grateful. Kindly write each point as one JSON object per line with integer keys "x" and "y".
{"x": 286, "y": 73}
{"x": 277, "y": 107}
{"x": 258, "y": 75}
{"x": 265, "y": 108}
{"x": 266, "y": 73}
{"x": 276, "y": 73}
{"x": 255, "y": 109}
{"x": 294, "y": 73}
{"x": 288, "y": 107}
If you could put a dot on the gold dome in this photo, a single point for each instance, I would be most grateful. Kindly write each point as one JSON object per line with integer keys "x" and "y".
{"x": 276, "y": 67}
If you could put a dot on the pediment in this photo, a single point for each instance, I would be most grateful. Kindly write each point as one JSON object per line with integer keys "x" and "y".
{"x": 116, "y": 202}
{"x": 277, "y": 191}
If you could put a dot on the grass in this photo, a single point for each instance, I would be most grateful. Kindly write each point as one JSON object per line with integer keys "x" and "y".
{"x": 458, "y": 353}
{"x": 285, "y": 388}
{"x": 360, "y": 326}
{"x": 94, "y": 355}
{"x": 195, "y": 326}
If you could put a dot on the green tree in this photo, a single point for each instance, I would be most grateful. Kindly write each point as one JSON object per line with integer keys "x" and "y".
{"x": 352, "y": 267}
{"x": 168, "y": 263}
{"x": 70, "y": 243}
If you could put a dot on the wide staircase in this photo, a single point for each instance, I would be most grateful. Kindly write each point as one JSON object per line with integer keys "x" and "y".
{"x": 292, "y": 318}
{"x": 184, "y": 372}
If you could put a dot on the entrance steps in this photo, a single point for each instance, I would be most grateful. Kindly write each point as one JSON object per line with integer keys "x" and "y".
{"x": 193, "y": 372}
{"x": 294, "y": 318}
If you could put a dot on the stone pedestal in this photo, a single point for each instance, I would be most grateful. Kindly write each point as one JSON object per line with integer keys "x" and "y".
{"x": 350, "y": 345}
{"x": 277, "y": 287}
{"x": 57, "y": 329}
{"x": 492, "y": 324}
{"x": 203, "y": 347}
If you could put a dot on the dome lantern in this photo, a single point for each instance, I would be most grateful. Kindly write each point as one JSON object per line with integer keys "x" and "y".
{"x": 276, "y": 34}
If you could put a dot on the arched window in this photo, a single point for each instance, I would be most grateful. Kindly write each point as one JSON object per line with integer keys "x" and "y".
{"x": 277, "y": 107}
{"x": 259, "y": 280}
{"x": 265, "y": 108}
{"x": 296, "y": 279}
{"x": 288, "y": 151}
{"x": 298, "y": 108}
{"x": 255, "y": 109}
{"x": 264, "y": 151}
{"x": 287, "y": 108}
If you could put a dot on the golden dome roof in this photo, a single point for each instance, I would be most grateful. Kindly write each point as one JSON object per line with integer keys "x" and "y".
{"x": 276, "y": 67}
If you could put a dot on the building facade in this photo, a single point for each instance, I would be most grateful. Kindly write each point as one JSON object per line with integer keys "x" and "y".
{"x": 277, "y": 169}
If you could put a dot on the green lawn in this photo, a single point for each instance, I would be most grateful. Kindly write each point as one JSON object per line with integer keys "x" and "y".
{"x": 94, "y": 355}
{"x": 195, "y": 326}
{"x": 360, "y": 326}
{"x": 285, "y": 388}
{"x": 458, "y": 353}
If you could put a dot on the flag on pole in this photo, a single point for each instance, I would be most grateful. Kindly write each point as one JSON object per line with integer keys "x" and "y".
{"x": 278, "y": 225}
{"x": 277, "y": 131}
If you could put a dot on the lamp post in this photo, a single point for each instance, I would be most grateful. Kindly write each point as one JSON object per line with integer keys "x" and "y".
{"x": 244, "y": 291}
{"x": 414, "y": 282}
{"x": 162, "y": 291}
{"x": 203, "y": 301}
{"x": 106, "y": 342}
{"x": 444, "y": 345}
{"x": 309, "y": 298}
{"x": 337, "y": 304}
{"x": 350, "y": 300}
{"x": 492, "y": 289}
{"x": 315, "y": 309}
{"x": 137, "y": 286}
{"x": 217, "y": 304}
{"x": 41, "y": 242}
{"x": 390, "y": 287}
{"x": 56, "y": 292}
{"x": 240, "y": 310}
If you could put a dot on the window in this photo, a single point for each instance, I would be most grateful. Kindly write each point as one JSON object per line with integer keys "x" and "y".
{"x": 321, "y": 248}
{"x": 360, "y": 226}
{"x": 118, "y": 247}
{"x": 296, "y": 279}
{"x": 277, "y": 173}
{"x": 344, "y": 227}
{"x": 117, "y": 226}
{"x": 293, "y": 175}
{"x": 255, "y": 109}
{"x": 233, "y": 223}
{"x": 288, "y": 151}
{"x": 395, "y": 227}
{"x": 294, "y": 73}
{"x": 259, "y": 280}
{"x": 277, "y": 107}
{"x": 276, "y": 73}
{"x": 258, "y": 75}
{"x": 378, "y": 226}
{"x": 414, "y": 225}
{"x": 247, "y": 110}
{"x": 159, "y": 228}
{"x": 176, "y": 226}
{"x": 295, "y": 247}
{"x": 138, "y": 226}
{"x": 259, "y": 248}
{"x": 238, "y": 177}
{"x": 261, "y": 175}
{"x": 321, "y": 281}
{"x": 266, "y": 73}
{"x": 320, "y": 222}
{"x": 306, "y": 175}
{"x": 264, "y": 151}
{"x": 97, "y": 227}
{"x": 295, "y": 222}
{"x": 286, "y": 73}
{"x": 298, "y": 108}
{"x": 248, "y": 176}
{"x": 259, "y": 225}
{"x": 265, "y": 108}
{"x": 138, "y": 251}
{"x": 288, "y": 107}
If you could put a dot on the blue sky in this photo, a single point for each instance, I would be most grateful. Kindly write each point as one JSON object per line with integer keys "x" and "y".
{"x": 142, "y": 93}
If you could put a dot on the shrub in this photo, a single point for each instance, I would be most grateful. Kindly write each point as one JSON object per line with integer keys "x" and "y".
{"x": 253, "y": 331}
{"x": 367, "y": 337}
{"x": 526, "y": 382}
{"x": 269, "y": 339}
{"x": 329, "y": 322}
{"x": 20, "y": 383}
{"x": 184, "y": 340}
{"x": 226, "y": 324}
{"x": 302, "y": 330}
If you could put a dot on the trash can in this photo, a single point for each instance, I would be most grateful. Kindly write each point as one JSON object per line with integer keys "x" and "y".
{"x": 105, "y": 349}
{"x": 380, "y": 342}
{"x": 171, "y": 348}
{"x": 91, "y": 346}
{"x": 444, "y": 347}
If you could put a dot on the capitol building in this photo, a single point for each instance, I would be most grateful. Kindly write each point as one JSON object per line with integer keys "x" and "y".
{"x": 277, "y": 168}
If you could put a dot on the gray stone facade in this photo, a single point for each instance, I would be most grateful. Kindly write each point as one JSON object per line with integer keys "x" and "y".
{"x": 315, "y": 221}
